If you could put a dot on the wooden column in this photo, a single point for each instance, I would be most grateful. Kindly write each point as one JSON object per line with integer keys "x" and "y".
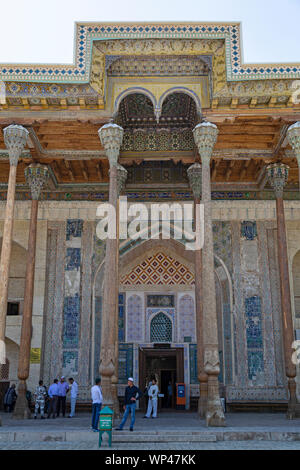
{"x": 195, "y": 179}
{"x": 121, "y": 179}
{"x": 205, "y": 136}
{"x": 202, "y": 375}
{"x": 36, "y": 175}
{"x": 111, "y": 136}
{"x": 15, "y": 138}
{"x": 278, "y": 174}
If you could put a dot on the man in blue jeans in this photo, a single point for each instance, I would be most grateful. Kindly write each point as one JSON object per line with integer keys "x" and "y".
{"x": 132, "y": 393}
{"x": 97, "y": 399}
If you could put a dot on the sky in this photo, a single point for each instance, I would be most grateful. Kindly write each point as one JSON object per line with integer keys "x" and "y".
{"x": 40, "y": 31}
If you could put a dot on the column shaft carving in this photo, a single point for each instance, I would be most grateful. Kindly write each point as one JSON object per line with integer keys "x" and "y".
{"x": 195, "y": 179}
{"x": 36, "y": 176}
{"x": 111, "y": 137}
{"x": 205, "y": 136}
{"x": 278, "y": 175}
{"x": 15, "y": 138}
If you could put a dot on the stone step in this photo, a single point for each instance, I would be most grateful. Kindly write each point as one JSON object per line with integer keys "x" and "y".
{"x": 164, "y": 438}
{"x": 181, "y": 435}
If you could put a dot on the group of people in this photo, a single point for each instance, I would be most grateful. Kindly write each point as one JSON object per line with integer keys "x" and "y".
{"x": 55, "y": 398}
{"x": 50, "y": 402}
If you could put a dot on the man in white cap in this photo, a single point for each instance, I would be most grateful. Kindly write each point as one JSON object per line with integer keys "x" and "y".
{"x": 132, "y": 393}
{"x": 63, "y": 389}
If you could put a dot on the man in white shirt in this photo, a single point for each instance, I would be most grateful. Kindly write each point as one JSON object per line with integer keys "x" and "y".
{"x": 74, "y": 392}
{"x": 97, "y": 400}
{"x": 152, "y": 403}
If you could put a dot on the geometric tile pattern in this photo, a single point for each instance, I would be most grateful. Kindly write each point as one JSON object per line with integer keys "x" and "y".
{"x": 71, "y": 322}
{"x": 193, "y": 364}
{"x": 70, "y": 362}
{"x": 248, "y": 230}
{"x": 253, "y": 322}
{"x": 222, "y": 242}
{"x": 159, "y": 269}
{"x": 134, "y": 319}
{"x": 73, "y": 259}
{"x": 74, "y": 228}
{"x": 125, "y": 369}
{"x": 79, "y": 72}
{"x": 161, "y": 329}
{"x": 186, "y": 316}
{"x": 152, "y": 312}
{"x": 72, "y": 301}
{"x": 254, "y": 337}
{"x": 121, "y": 322}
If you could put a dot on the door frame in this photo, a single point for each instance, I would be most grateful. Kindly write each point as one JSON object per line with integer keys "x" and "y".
{"x": 155, "y": 352}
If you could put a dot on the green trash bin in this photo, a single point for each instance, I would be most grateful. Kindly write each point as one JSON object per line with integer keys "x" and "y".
{"x": 105, "y": 424}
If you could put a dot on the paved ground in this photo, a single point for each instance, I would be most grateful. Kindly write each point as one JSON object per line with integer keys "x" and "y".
{"x": 184, "y": 422}
{"x": 236, "y": 445}
{"x": 166, "y": 421}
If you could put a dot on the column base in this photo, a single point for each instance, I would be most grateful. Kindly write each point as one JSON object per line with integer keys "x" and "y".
{"x": 293, "y": 411}
{"x": 214, "y": 412}
{"x": 215, "y": 418}
{"x": 21, "y": 410}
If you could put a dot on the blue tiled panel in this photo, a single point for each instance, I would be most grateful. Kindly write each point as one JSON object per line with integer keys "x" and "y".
{"x": 253, "y": 322}
{"x": 255, "y": 363}
{"x": 98, "y": 311}
{"x": 125, "y": 362}
{"x": 193, "y": 364}
{"x": 73, "y": 258}
{"x": 70, "y": 358}
{"x": 71, "y": 321}
{"x": 248, "y": 230}
{"x": 121, "y": 333}
{"x": 74, "y": 228}
{"x": 255, "y": 351}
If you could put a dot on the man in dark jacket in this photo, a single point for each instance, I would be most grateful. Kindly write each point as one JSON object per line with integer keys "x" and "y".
{"x": 132, "y": 393}
{"x": 10, "y": 398}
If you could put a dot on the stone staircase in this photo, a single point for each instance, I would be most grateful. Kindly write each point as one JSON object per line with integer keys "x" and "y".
{"x": 141, "y": 436}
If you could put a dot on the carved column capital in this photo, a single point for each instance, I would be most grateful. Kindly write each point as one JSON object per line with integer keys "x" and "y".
{"x": 36, "y": 176}
{"x": 205, "y": 137}
{"x": 293, "y": 135}
{"x": 277, "y": 175}
{"x": 15, "y": 138}
{"x": 111, "y": 136}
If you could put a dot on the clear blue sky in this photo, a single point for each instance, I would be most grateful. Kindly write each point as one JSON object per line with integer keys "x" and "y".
{"x": 43, "y": 31}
